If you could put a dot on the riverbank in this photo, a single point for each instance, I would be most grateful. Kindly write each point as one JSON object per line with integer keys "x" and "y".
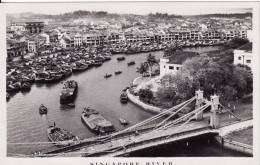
{"x": 241, "y": 141}
{"x": 135, "y": 99}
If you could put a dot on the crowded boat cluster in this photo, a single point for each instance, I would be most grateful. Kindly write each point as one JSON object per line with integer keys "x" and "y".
{"x": 52, "y": 67}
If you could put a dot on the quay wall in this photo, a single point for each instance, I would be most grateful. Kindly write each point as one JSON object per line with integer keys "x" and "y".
{"x": 234, "y": 145}
{"x": 231, "y": 144}
{"x": 146, "y": 107}
{"x": 223, "y": 131}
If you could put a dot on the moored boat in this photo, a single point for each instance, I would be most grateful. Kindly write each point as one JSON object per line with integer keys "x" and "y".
{"x": 68, "y": 92}
{"x": 61, "y": 137}
{"x": 25, "y": 86}
{"x": 80, "y": 68}
{"x": 123, "y": 97}
{"x": 97, "y": 63}
{"x": 96, "y": 122}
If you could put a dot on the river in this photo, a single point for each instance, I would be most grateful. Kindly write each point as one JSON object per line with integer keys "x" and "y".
{"x": 25, "y": 125}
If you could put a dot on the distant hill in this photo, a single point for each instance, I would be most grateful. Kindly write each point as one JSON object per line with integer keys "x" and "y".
{"x": 103, "y": 15}
{"x": 233, "y": 15}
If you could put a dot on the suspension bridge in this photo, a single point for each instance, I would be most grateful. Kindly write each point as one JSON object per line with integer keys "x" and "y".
{"x": 168, "y": 126}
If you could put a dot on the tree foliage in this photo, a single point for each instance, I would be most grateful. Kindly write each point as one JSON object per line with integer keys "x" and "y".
{"x": 236, "y": 42}
{"x": 151, "y": 61}
{"x": 145, "y": 95}
{"x": 211, "y": 75}
{"x": 143, "y": 69}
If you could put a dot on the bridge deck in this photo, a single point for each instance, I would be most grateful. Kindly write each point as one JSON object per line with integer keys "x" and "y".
{"x": 121, "y": 143}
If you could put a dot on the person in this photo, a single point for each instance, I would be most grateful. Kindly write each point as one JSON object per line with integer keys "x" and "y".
{"x": 54, "y": 124}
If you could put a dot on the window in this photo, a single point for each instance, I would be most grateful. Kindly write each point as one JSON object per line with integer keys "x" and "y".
{"x": 171, "y": 67}
{"x": 177, "y": 68}
{"x": 239, "y": 58}
{"x": 248, "y": 61}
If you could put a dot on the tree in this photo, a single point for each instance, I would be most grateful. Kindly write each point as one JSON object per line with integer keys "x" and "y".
{"x": 236, "y": 42}
{"x": 143, "y": 68}
{"x": 214, "y": 76}
{"x": 151, "y": 61}
{"x": 145, "y": 95}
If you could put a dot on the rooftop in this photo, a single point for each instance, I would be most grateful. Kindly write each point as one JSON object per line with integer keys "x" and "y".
{"x": 247, "y": 47}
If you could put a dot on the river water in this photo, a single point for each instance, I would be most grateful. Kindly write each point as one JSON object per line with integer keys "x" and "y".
{"x": 25, "y": 125}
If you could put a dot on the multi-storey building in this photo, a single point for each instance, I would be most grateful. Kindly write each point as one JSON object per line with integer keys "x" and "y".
{"x": 17, "y": 26}
{"x": 34, "y": 27}
{"x": 77, "y": 40}
{"x": 15, "y": 48}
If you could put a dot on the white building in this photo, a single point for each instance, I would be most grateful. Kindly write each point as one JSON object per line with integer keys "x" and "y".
{"x": 47, "y": 38}
{"x": 17, "y": 26}
{"x": 31, "y": 46}
{"x": 243, "y": 55}
{"x": 166, "y": 67}
{"x": 65, "y": 42}
{"x": 77, "y": 40}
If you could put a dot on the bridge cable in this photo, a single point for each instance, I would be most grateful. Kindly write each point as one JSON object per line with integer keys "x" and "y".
{"x": 229, "y": 111}
{"x": 184, "y": 116}
{"x": 169, "y": 117}
{"x": 152, "y": 118}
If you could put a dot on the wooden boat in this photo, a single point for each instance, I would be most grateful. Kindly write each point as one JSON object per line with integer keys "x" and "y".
{"x": 123, "y": 97}
{"x": 118, "y": 72}
{"x": 80, "y": 68}
{"x": 107, "y": 75}
{"x": 42, "y": 109}
{"x": 96, "y": 122}
{"x": 131, "y": 63}
{"x": 61, "y": 137}
{"x": 120, "y": 58}
{"x": 25, "y": 86}
{"x": 68, "y": 92}
{"x": 97, "y": 63}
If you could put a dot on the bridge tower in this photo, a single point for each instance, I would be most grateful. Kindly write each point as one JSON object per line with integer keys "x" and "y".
{"x": 214, "y": 117}
{"x": 199, "y": 103}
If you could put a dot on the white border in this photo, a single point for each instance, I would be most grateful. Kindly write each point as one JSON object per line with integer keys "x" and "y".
{"x": 5, "y": 8}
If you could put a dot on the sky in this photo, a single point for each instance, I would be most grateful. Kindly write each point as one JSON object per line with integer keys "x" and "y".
{"x": 179, "y": 8}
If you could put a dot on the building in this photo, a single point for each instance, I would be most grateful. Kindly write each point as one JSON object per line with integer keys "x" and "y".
{"x": 66, "y": 42}
{"x": 15, "y": 48}
{"x": 31, "y": 46}
{"x": 34, "y": 27}
{"x": 243, "y": 55}
{"x": 77, "y": 40}
{"x": 166, "y": 67}
{"x": 94, "y": 39}
{"x": 173, "y": 64}
{"x": 18, "y": 26}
